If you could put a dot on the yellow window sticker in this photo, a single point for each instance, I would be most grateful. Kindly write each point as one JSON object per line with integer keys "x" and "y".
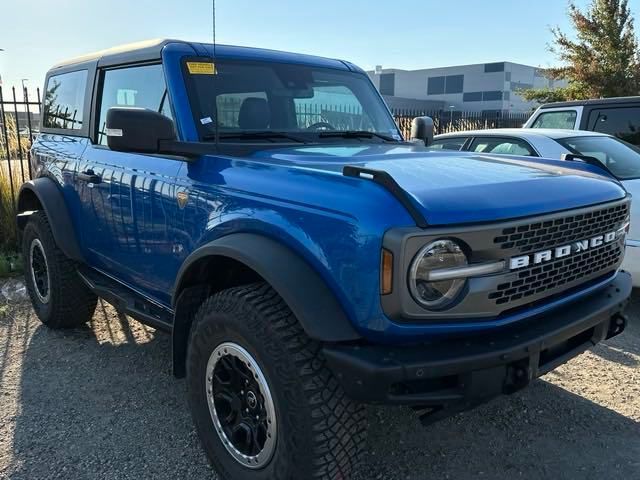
{"x": 201, "y": 68}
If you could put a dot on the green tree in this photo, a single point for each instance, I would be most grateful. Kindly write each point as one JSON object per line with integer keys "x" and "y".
{"x": 602, "y": 60}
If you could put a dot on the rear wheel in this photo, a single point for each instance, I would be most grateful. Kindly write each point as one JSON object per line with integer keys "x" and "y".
{"x": 59, "y": 297}
{"x": 264, "y": 403}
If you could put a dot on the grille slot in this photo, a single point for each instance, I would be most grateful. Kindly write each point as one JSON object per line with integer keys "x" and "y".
{"x": 538, "y": 279}
{"x": 531, "y": 237}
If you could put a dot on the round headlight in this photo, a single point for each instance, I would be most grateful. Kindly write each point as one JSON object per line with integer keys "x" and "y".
{"x": 438, "y": 255}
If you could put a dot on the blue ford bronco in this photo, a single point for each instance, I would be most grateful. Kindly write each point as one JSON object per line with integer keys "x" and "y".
{"x": 264, "y": 209}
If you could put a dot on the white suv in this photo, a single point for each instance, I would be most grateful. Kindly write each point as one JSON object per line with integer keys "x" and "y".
{"x": 615, "y": 116}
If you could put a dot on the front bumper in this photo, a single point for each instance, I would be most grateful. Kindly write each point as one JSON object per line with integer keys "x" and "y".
{"x": 631, "y": 261}
{"x": 458, "y": 373}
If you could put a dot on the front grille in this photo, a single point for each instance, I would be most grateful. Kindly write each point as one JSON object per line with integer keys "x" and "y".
{"x": 537, "y": 279}
{"x": 531, "y": 237}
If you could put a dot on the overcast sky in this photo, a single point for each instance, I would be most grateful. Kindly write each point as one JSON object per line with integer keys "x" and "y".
{"x": 400, "y": 33}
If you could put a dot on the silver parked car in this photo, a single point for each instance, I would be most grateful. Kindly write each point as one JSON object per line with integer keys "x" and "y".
{"x": 620, "y": 158}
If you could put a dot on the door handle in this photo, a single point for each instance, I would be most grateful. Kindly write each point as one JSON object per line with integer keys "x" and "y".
{"x": 89, "y": 176}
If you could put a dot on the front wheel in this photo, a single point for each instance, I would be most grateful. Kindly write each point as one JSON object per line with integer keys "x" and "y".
{"x": 263, "y": 401}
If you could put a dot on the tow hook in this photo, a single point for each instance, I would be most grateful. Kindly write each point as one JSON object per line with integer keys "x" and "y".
{"x": 617, "y": 325}
{"x": 518, "y": 376}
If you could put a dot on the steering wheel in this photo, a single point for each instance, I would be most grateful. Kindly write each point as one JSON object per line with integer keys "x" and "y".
{"x": 321, "y": 126}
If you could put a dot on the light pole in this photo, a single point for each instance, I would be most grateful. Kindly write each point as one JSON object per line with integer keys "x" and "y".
{"x": 451, "y": 107}
{"x": 24, "y": 89}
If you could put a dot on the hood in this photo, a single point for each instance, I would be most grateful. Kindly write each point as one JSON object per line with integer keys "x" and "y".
{"x": 457, "y": 187}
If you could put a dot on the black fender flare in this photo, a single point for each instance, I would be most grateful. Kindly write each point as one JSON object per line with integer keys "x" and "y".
{"x": 300, "y": 286}
{"x": 49, "y": 196}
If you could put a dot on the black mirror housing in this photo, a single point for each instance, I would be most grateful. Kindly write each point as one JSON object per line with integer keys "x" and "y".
{"x": 422, "y": 130}
{"x": 139, "y": 130}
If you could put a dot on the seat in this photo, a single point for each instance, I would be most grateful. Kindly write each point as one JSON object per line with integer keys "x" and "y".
{"x": 254, "y": 114}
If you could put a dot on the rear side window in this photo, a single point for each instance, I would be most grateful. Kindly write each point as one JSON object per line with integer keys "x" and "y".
{"x": 448, "y": 143}
{"x": 623, "y": 123}
{"x": 64, "y": 101}
{"x": 142, "y": 87}
{"x": 505, "y": 146}
{"x": 565, "y": 119}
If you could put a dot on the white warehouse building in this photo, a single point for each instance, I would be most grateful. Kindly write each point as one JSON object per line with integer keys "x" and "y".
{"x": 483, "y": 87}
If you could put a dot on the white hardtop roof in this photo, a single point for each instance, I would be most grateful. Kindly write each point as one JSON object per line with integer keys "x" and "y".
{"x": 526, "y": 133}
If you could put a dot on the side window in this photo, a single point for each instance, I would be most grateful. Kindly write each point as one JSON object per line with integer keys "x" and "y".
{"x": 505, "y": 146}
{"x": 565, "y": 119}
{"x": 623, "y": 123}
{"x": 448, "y": 143}
{"x": 64, "y": 101}
{"x": 133, "y": 87}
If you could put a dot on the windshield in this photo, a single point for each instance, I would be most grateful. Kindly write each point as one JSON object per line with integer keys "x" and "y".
{"x": 264, "y": 101}
{"x": 621, "y": 158}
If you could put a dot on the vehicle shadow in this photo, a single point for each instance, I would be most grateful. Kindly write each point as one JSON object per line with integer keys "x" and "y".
{"x": 100, "y": 402}
{"x": 625, "y": 349}
{"x": 544, "y": 432}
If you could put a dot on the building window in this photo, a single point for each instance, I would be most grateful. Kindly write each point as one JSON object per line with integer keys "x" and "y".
{"x": 388, "y": 84}
{"x": 493, "y": 67}
{"x": 521, "y": 86}
{"x": 507, "y": 96}
{"x": 454, "y": 84}
{"x": 436, "y": 86}
{"x": 491, "y": 96}
{"x": 472, "y": 97}
{"x": 507, "y": 76}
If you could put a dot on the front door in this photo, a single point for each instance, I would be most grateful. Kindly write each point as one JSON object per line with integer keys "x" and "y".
{"x": 129, "y": 200}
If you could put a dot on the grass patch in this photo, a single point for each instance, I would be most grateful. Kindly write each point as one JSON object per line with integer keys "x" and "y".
{"x": 8, "y": 231}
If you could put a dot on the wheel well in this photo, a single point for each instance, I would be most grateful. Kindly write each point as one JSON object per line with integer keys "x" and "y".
{"x": 28, "y": 201}
{"x": 218, "y": 273}
{"x": 205, "y": 277}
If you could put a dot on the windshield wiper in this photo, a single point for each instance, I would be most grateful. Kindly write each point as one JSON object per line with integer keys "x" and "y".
{"x": 357, "y": 134}
{"x": 257, "y": 135}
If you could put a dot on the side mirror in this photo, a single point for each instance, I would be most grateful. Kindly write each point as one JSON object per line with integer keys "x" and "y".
{"x": 422, "y": 130}
{"x": 132, "y": 129}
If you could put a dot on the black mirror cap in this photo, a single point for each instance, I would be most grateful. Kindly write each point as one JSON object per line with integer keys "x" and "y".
{"x": 139, "y": 130}
{"x": 422, "y": 130}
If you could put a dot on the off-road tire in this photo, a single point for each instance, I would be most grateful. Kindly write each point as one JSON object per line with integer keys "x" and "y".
{"x": 320, "y": 432}
{"x": 70, "y": 302}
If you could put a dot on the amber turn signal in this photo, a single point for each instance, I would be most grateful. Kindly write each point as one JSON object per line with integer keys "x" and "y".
{"x": 386, "y": 272}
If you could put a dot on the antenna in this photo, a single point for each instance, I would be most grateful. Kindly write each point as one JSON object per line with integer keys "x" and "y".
{"x": 215, "y": 74}
{"x": 213, "y": 11}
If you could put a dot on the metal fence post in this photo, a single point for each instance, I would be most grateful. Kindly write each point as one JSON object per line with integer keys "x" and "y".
{"x": 6, "y": 145}
{"x": 18, "y": 136}
{"x": 29, "y": 127}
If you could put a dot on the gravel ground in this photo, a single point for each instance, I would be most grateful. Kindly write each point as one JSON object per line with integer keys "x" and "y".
{"x": 100, "y": 402}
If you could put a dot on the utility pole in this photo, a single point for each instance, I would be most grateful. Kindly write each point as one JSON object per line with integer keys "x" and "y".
{"x": 1, "y": 50}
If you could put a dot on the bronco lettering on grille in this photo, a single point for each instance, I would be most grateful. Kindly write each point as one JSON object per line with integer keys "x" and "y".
{"x": 563, "y": 251}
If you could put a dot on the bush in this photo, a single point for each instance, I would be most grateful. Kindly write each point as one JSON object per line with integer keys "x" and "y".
{"x": 17, "y": 147}
{"x": 8, "y": 238}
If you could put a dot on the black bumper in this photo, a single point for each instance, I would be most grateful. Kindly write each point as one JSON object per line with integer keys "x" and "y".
{"x": 459, "y": 373}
